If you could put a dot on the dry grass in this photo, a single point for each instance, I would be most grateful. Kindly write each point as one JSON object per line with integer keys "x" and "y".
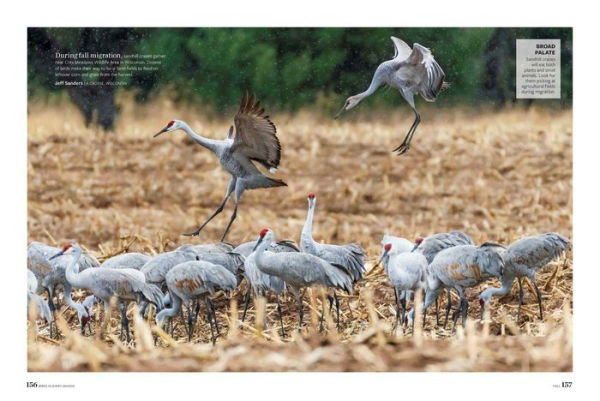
{"x": 498, "y": 176}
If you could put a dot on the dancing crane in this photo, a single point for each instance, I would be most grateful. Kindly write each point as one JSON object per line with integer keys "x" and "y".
{"x": 299, "y": 270}
{"x": 254, "y": 139}
{"x": 523, "y": 258}
{"x": 411, "y": 71}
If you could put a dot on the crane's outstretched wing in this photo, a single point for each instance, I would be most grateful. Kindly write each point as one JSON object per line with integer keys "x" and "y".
{"x": 255, "y": 134}
{"x": 401, "y": 49}
{"x": 434, "y": 82}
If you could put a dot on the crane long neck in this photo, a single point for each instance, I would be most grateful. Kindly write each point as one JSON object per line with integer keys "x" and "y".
{"x": 172, "y": 311}
{"x": 306, "y": 235}
{"x": 376, "y": 82}
{"x": 209, "y": 144}
{"x": 72, "y": 272}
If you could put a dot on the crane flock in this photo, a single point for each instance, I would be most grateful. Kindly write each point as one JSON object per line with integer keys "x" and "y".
{"x": 190, "y": 275}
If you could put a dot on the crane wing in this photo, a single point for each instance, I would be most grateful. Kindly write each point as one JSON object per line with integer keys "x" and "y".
{"x": 401, "y": 49}
{"x": 434, "y": 76}
{"x": 255, "y": 134}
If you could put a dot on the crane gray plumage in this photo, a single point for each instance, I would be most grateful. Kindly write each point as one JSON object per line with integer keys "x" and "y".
{"x": 219, "y": 247}
{"x": 349, "y": 256}
{"x": 461, "y": 267}
{"x": 299, "y": 269}
{"x": 124, "y": 284}
{"x": 523, "y": 258}
{"x": 42, "y": 307}
{"x": 254, "y": 139}
{"x": 411, "y": 71}
{"x": 407, "y": 273}
{"x": 132, "y": 260}
{"x": 431, "y": 246}
{"x": 191, "y": 280}
{"x": 261, "y": 283}
{"x": 50, "y": 274}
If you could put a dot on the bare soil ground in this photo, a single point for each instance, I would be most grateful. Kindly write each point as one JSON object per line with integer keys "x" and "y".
{"x": 496, "y": 175}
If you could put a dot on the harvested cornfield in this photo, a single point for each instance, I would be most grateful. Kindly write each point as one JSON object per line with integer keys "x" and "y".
{"x": 496, "y": 175}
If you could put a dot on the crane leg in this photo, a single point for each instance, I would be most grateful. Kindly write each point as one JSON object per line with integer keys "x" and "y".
{"x": 405, "y": 145}
{"x": 183, "y": 321}
{"x": 337, "y": 309}
{"x": 465, "y": 309}
{"x": 280, "y": 316}
{"x": 196, "y": 309}
{"x": 448, "y": 305}
{"x": 230, "y": 188}
{"x": 239, "y": 190}
{"x": 321, "y": 328}
{"x": 214, "y": 315}
{"x": 397, "y": 309}
{"x": 300, "y": 311}
{"x": 437, "y": 315}
{"x": 539, "y": 297}
{"x": 520, "y": 299}
{"x": 190, "y": 323}
{"x": 52, "y": 308}
{"x": 208, "y": 317}
{"x": 246, "y": 303}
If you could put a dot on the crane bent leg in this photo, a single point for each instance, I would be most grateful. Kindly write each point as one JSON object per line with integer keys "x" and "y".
{"x": 405, "y": 145}
{"x": 230, "y": 187}
{"x": 239, "y": 190}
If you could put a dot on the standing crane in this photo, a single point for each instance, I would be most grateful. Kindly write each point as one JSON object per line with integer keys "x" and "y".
{"x": 260, "y": 283}
{"x": 191, "y": 280}
{"x": 124, "y": 284}
{"x": 254, "y": 139}
{"x": 461, "y": 267}
{"x": 431, "y": 246}
{"x": 406, "y": 271}
{"x": 411, "y": 71}
{"x": 43, "y": 310}
{"x": 299, "y": 270}
{"x": 131, "y": 260}
{"x": 523, "y": 258}
{"x": 349, "y": 256}
{"x": 50, "y": 275}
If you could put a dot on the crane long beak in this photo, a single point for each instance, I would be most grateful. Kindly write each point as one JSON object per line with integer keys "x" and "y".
{"x": 339, "y": 113}
{"x": 57, "y": 255}
{"x": 381, "y": 259}
{"x": 415, "y": 247}
{"x": 257, "y": 243}
{"x": 160, "y": 132}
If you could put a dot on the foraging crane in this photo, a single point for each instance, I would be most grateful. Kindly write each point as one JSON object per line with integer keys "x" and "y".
{"x": 43, "y": 310}
{"x": 523, "y": 258}
{"x": 254, "y": 139}
{"x": 431, "y": 246}
{"x": 260, "y": 283}
{"x": 191, "y": 280}
{"x": 132, "y": 260}
{"x": 299, "y": 269}
{"x": 124, "y": 284}
{"x": 350, "y": 256}
{"x": 461, "y": 267}
{"x": 411, "y": 71}
{"x": 51, "y": 275}
{"x": 406, "y": 271}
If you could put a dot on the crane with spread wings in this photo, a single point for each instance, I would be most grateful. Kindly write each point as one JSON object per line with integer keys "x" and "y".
{"x": 254, "y": 139}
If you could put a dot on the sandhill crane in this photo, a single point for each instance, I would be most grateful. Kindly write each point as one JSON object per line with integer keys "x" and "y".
{"x": 132, "y": 260}
{"x": 260, "y": 283}
{"x": 523, "y": 258}
{"x": 51, "y": 275}
{"x": 406, "y": 271}
{"x": 411, "y": 71}
{"x": 124, "y": 284}
{"x": 191, "y": 280}
{"x": 43, "y": 310}
{"x": 461, "y": 267}
{"x": 299, "y": 269}
{"x": 219, "y": 247}
{"x": 350, "y": 256}
{"x": 254, "y": 139}
{"x": 431, "y": 246}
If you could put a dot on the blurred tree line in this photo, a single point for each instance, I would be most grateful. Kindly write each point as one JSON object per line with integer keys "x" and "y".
{"x": 287, "y": 68}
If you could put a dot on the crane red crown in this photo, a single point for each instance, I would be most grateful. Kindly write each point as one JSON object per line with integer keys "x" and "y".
{"x": 418, "y": 240}
{"x": 263, "y": 232}
{"x": 170, "y": 123}
{"x": 66, "y": 247}
{"x": 387, "y": 247}
{"x": 311, "y": 196}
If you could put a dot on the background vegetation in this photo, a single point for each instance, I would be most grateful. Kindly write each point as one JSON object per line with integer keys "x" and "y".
{"x": 290, "y": 68}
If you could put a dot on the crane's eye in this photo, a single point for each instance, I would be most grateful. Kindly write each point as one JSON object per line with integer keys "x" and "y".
{"x": 170, "y": 124}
